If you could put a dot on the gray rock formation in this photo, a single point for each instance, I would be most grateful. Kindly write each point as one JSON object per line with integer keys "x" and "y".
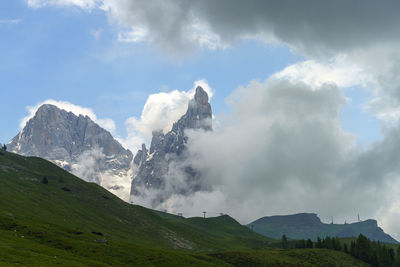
{"x": 77, "y": 144}
{"x": 162, "y": 169}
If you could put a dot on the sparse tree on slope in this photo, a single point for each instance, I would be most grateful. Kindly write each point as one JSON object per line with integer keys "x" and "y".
{"x": 284, "y": 242}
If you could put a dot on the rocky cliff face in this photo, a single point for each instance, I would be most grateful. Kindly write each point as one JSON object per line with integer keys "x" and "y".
{"x": 77, "y": 144}
{"x": 160, "y": 170}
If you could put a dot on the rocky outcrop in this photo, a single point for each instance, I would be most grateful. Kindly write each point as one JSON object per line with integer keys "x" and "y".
{"x": 163, "y": 162}
{"x": 77, "y": 144}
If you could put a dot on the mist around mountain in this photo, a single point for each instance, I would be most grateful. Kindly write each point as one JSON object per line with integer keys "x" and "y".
{"x": 156, "y": 175}
{"x": 82, "y": 147}
{"x": 49, "y": 202}
{"x": 163, "y": 170}
{"x": 77, "y": 144}
{"x": 308, "y": 225}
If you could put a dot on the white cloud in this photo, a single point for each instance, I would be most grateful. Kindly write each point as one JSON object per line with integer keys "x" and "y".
{"x": 282, "y": 138}
{"x": 283, "y": 150}
{"x": 97, "y": 33}
{"x": 106, "y": 123}
{"x": 159, "y": 113}
{"x": 10, "y": 21}
{"x": 341, "y": 46}
{"x": 90, "y": 167}
{"x": 339, "y": 71}
{"x": 134, "y": 35}
{"x": 177, "y": 26}
{"x": 85, "y": 4}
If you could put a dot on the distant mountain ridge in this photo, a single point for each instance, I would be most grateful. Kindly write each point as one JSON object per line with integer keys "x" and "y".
{"x": 77, "y": 144}
{"x": 308, "y": 225}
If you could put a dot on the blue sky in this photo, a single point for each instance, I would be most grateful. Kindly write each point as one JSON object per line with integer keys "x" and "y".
{"x": 53, "y": 53}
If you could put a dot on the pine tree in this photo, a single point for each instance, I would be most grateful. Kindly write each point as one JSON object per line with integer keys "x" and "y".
{"x": 284, "y": 242}
{"x": 396, "y": 262}
{"x": 363, "y": 248}
{"x": 336, "y": 244}
{"x": 353, "y": 248}
{"x": 319, "y": 243}
{"x": 345, "y": 249}
{"x": 309, "y": 243}
{"x": 392, "y": 254}
{"x": 45, "y": 180}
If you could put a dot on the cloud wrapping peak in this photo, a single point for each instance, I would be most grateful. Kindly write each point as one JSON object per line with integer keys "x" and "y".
{"x": 279, "y": 134}
{"x": 283, "y": 150}
{"x": 159, "y": 113}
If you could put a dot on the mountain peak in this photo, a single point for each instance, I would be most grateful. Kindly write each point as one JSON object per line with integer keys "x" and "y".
{"x": 73, "y": 142}
{"x": 46, "y": 107}
{"x": 153, "y": 165}
{"x": 53, "y": 111}
{"x": 198, "y": 114}
{"x": 47, "y": 111}
{"x": 201, "y": 96}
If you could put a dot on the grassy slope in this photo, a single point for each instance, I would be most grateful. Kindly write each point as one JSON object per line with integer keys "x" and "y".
{"x": 225, "y": 232}
{"x": 288, "y": 257}
{"x": 67, "y": 220}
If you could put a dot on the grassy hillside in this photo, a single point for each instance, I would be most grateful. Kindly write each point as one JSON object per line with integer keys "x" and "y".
{"x": 288, "y": 257}
{"x": 48, "y": 217}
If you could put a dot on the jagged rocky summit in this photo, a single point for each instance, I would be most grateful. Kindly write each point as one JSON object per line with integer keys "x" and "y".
{"x": 77, "y": 144}
{"x": 308, "y": 225}
{"x": 162, "y": 170}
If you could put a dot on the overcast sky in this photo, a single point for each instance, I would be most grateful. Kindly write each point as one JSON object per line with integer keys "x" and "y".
{"x": 305, "y": 93}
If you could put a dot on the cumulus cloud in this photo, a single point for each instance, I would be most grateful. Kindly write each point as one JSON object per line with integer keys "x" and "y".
{"x": 278, "y": 133}
{"x": 310, "y": 26}
{"x": 283, "y": 150}
{"x": 159, "y": 113}
{"x": 366, "y": 33}
{"x": 106, "y": 123}
{"x": 338, "y": 71}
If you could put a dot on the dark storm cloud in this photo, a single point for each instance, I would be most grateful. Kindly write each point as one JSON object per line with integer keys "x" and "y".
{"x": 312, "y": 26}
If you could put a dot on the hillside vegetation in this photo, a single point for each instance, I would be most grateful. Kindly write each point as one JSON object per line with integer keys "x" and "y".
{"x": 48, "y": 217}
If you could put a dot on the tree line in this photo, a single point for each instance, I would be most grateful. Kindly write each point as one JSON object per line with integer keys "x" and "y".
{"x": 372, "y": 252}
